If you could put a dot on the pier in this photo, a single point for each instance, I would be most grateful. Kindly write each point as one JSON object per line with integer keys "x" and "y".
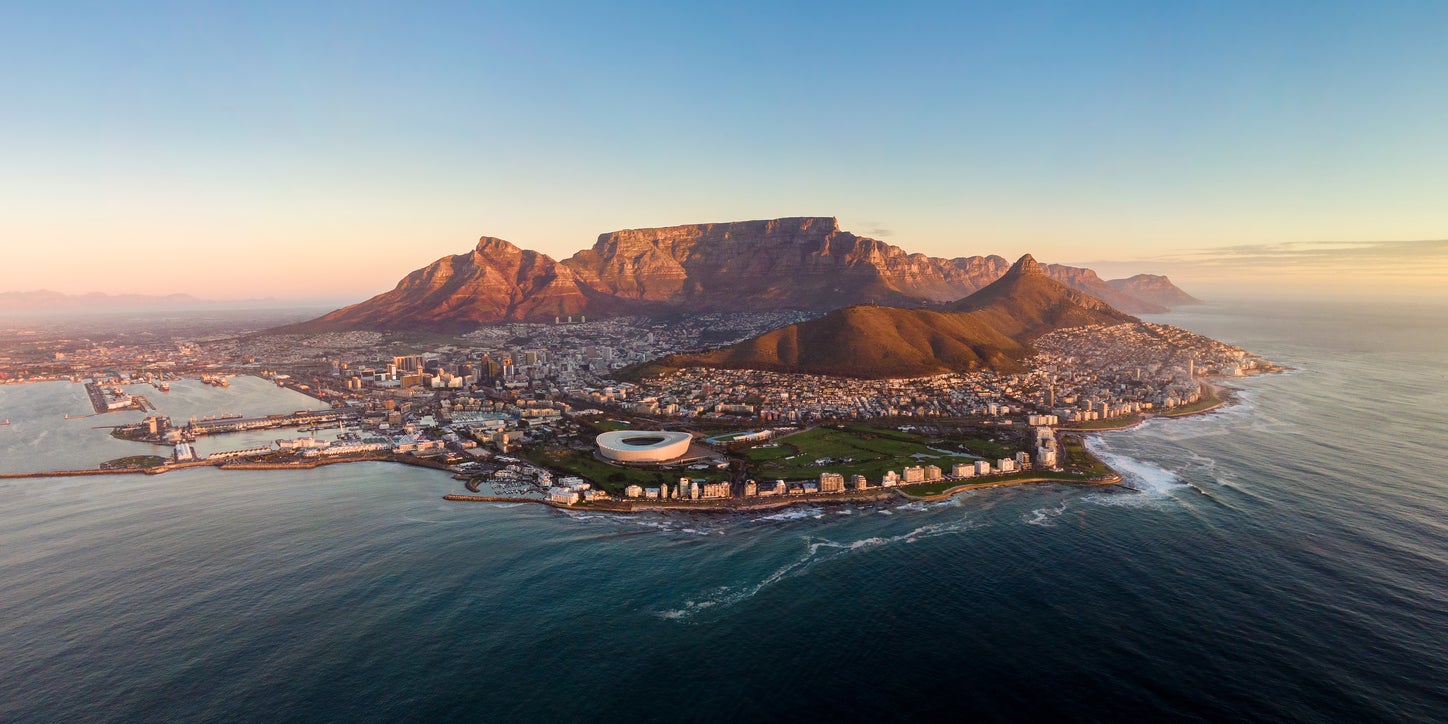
{"x": 97, "y": 398}
{"x": 237, "y": 424}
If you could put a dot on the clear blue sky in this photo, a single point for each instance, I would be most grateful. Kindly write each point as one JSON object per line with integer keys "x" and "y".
{"x": 362, "y": 140}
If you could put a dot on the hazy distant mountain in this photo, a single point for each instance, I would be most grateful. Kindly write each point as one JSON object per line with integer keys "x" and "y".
{"x": 48, "y": 301}
{"x": 1154, "y": 288}
{"x": 1086, "y": 280}
{"x": 990, "y": 329}
{"x": 804, "y": 263}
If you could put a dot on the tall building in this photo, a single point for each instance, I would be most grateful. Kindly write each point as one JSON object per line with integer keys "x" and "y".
{"x": 409, "y": 363}
{"x": 832, "y": 483}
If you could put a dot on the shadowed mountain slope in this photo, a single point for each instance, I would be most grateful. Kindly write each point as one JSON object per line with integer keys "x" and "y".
{"x": 991, "y": 329}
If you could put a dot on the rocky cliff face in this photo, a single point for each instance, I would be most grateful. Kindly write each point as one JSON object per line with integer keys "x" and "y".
{"x": 496, "y": 281}
{"x": 793, "y": 263}
{"x": 804, "y": 262}
{"x": 1154, "y": 288}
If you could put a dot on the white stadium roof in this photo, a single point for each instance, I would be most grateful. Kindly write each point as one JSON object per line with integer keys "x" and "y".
{"x": 643, "y": 446}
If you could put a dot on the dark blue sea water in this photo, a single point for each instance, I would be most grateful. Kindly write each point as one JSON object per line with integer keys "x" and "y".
{"x": 1284, "y": 559}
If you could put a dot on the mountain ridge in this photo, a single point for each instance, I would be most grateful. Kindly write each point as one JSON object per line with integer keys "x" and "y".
{"x": 805, "y": 263}
{"x": 991, "y": 329}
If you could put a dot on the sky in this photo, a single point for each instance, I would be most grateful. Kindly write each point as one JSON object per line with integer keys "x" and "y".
{"x": 322, "y": 150}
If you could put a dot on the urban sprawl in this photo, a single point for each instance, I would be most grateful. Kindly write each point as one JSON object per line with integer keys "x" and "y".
{"x": 514, "y": 409}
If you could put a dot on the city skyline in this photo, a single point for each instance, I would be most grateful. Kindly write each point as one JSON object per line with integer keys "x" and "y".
{"x": 244, "y": 153}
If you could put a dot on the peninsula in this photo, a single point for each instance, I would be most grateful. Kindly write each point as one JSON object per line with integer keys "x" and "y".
{"x": 700, "y": 367}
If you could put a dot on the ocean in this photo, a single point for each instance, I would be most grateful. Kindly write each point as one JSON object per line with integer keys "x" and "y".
{"x": 1285, "y": 558}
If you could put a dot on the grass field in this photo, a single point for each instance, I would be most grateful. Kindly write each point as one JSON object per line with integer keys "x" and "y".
{"x": 1207, "y": 402}
{"x": 1112, "y": 423}
{"x": 1077, "y": 457}
{"x": 134, "y": 462}
{"x": 923, "y": 489}
{"x": 870, "y": 452}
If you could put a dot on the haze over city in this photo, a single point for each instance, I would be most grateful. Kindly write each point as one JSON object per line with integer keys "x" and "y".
{"x": 322, "y": 151}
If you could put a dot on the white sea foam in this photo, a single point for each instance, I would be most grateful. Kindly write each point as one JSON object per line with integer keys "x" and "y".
{"x": 798, "y": 513}
{"x": 816, "y": 550}
{"x": 1152, "y": 483}
{"x": 1046, "y": 516}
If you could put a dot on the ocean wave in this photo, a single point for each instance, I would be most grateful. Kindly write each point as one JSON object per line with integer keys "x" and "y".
{"x": 816, "y": 551}
{"x": 1046, "y": 516}
{"x": 1151, "y": 483}
{"x": 797, "y": 513}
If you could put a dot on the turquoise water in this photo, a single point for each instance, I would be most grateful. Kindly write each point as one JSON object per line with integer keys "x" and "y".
{"x": 1283, "y": 559}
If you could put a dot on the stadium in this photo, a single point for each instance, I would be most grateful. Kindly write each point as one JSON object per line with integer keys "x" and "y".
{"x": 633, "y": 446}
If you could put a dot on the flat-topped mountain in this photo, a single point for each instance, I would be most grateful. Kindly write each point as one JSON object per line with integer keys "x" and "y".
{"x": 990, "y": 329}
{"x": 803, "y": 263}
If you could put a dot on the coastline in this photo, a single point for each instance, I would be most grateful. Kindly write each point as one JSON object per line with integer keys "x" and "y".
{"x": 1220, "y": 396}
{"x": 743, "y": 505}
